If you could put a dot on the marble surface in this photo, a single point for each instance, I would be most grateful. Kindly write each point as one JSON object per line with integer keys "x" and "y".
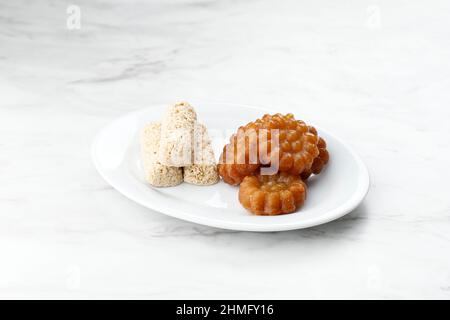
{"x": 374, "y": 72}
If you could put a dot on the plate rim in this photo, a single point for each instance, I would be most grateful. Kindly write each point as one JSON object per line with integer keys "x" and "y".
{"x": 349, "y": 205}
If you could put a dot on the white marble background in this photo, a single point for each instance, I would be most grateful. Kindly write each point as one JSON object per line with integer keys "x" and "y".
{"x": 373, "y": 72}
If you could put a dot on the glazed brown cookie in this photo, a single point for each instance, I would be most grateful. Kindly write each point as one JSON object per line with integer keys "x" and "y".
{"x": 273, "y": 139}
{"x": 272, "y": 194}
{"x": 320, "y": 162}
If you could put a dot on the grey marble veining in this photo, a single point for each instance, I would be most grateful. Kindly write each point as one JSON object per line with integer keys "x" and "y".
{"x": 373, "y": 72}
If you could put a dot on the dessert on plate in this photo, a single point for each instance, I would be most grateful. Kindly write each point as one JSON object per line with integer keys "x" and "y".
{"x": 178, "y": 149}
{"x": 272, "y": 194}
{"x": 269, "y": 159}
{"x": 157, "y": 174}
{"x": 273, "y": 138}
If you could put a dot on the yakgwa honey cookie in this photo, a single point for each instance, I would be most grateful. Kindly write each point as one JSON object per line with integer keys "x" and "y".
{"x": 276, "y": 194}
{"x": 279, "y": 142}
{"x": 319, "y": 162}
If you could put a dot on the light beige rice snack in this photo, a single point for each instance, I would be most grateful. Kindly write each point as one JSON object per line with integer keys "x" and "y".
{"x": 177, "y": 130}
{"x": 157, "y": 174}
{"x": 204, "y": 169}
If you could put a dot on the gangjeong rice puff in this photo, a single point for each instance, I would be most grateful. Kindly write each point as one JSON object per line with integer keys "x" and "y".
{"x": 157, "y": 174}
{"x": 177, "y": 130}
{"x": 204, "y": 169}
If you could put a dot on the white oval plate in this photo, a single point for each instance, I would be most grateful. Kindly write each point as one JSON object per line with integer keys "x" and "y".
{"x": 332, "y": 194}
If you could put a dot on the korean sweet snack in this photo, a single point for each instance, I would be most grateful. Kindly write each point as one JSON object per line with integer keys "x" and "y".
{"x": 178, "y": 149}
{"x": 269, "y": 159}
{"x": 292, "y": 151}
{"x": 157, "y": 174}
{"x": 295, "y": 151}
{"x": 272, "y": 194}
